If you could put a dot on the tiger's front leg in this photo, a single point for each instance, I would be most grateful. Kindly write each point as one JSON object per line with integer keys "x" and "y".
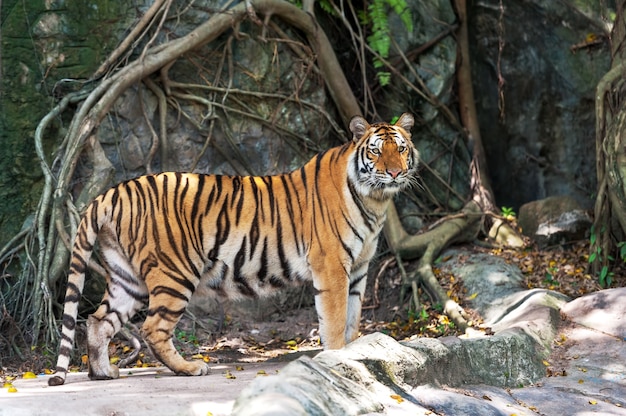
{"x": 331, "y": 303}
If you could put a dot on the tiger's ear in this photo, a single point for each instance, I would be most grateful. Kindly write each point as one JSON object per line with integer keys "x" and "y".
{"x": 358, "y": 127}
{"x": 406, "y": 122}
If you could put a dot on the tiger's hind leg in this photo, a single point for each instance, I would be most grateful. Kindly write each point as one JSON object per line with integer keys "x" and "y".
{"x": 166, "y": 307}
{"x": 123, "y": 298}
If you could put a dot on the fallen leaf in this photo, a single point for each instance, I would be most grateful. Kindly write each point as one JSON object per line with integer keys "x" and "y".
{"x": 239, "y": 368}
{"x": 261, "y": 373}
{"x": 229, "y": 375}
{"x": 546, "y": 363}
{"x": 593, "y": 401}
{"x": 397, "y": 398}
{"x": 29, "y": 374}
{"x": 12, "y": 389}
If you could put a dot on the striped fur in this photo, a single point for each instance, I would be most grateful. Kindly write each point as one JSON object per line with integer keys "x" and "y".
{"x": 161, "y": 236}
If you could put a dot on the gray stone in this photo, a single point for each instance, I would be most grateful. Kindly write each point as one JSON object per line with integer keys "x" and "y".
{"x": 554, "y": 220}
{"x": 603, "y": 311}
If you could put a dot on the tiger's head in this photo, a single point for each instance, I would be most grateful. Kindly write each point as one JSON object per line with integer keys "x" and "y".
{"x": 385, "y": 159}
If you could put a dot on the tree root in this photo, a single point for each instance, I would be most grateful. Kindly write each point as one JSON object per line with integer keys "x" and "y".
{"x": 428, "y": 246}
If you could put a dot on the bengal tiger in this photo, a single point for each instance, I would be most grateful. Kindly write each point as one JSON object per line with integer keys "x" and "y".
{"x": 161, "y": 236}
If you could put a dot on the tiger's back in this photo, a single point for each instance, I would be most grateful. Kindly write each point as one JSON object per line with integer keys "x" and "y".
{"x": 161, "y": 236}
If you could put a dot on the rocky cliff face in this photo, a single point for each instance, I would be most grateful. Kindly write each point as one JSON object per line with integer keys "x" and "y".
{"x": 538, "y": 126}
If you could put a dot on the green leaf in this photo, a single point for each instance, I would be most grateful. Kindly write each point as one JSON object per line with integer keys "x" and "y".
{"x": 592, "y": 257}
{"x": 384, "y": 77}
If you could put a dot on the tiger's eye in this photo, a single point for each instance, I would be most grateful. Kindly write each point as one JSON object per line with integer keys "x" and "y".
{"x": 375, "y": 151}
{"x": 401, "y": 149}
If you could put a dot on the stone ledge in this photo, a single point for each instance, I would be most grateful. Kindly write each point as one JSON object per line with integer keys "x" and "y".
{"x": 376, "y": 374}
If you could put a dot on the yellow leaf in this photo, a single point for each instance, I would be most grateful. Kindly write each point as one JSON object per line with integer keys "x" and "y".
{"x": 473, "y": 296}
{"x": 261, "y": 373}
{"x": 48, "y": 371}
{"x": 198, "y": 357}
{"x": 397, "y": 398}
{"x": 584, "y": 370}
{"x": 546, "y": 363}
{"x": 206, "y": 359}
{"x": 29, "y": 374}
{"x": 581, "y": 381}
{"x": 209, "y": 414}
{"x": 229, "y": 375}
{"x": 7, "y": 384}
{"x": 593, "y": 401}
{"x": 291, "y": 343}
{"x": 239, "y": 368}
{"x": 84, "y": 358}
{"x": 12, "y": 389}
{"x": 126, "y": 349}
{"x": 114, "y": 360}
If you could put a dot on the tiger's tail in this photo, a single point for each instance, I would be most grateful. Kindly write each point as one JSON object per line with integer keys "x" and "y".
{"x": 84, "y": 242}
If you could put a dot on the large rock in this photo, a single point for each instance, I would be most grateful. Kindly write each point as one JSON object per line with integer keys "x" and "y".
{"x": 378, "y": 375}
{"x": 554, "y": 220}
{"x": 373, "y": 373}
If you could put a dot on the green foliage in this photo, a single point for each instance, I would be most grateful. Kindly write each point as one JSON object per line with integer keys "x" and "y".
{"x": 327, "y": 7}
{"x": 377, "y": 17}
{"x": 507, "y": 212}
{"x": 186, "y": 337}
{"x": 605, "y": 276}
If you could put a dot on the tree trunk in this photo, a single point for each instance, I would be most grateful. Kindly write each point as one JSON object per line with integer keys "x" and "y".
{"x": 609, "y": 229}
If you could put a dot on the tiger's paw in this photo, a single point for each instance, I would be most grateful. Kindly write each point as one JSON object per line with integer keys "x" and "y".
{"x": 194, "y": 368}
{"x": 56, "y": 380}
{"x": 111, "y": 372}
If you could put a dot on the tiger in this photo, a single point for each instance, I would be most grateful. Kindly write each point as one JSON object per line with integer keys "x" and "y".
{"x": 162, "y": 236}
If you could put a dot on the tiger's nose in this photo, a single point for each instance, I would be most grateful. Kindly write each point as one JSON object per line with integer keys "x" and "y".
{"x": 394, "y": 172}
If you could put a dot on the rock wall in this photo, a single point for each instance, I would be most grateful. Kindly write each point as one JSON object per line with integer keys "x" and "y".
{"x": 538, "y": 128}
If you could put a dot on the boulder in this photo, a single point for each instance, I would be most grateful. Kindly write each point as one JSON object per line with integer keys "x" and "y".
{"x": 554, "y": 220}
